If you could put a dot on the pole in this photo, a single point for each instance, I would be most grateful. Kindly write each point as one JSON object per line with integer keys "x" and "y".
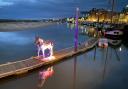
{"x": 98, "y": 16}
{"x": 74, "y": 72}
{"x": 76, "y": 30}
{"x": 113, "y": 2}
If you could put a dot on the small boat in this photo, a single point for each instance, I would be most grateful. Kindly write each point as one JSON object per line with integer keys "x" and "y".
{"x": 113, "y": 34}
{"x": 103, "y": 43}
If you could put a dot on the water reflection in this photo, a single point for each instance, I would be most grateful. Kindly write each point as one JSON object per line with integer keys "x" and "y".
{"x": 71, "y": 26}
{"x": 105, "y": 64}
{"x": 94, "y": 53}
{"x": 125, "y": 40}
{"x": 44, "y": 75}
{"x": 84, "y": 30}
{"x": 115, "y": 42}
{"x": 74, "y": 72}
{"x": 108, "y": 54}
{"x": 14, "y": 38}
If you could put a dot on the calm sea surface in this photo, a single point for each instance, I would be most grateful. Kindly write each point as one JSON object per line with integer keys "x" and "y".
{"x": 96, "y": 69}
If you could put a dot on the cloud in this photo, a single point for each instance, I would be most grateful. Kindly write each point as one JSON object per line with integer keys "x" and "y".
{"x": 51, "y": 8}
{"x": 5, "y": 3}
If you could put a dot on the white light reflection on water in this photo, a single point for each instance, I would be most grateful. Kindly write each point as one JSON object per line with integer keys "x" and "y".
{"x": 14, "y": 38}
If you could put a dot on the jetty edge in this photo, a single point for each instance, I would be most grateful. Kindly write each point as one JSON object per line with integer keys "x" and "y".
{"x": 23, "y": 66}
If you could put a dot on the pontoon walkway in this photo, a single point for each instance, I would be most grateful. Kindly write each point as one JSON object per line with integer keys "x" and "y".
{"x": 18, "y": 67}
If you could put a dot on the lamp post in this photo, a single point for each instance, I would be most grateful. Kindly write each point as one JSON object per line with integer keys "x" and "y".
{"x": 76, "y": 30}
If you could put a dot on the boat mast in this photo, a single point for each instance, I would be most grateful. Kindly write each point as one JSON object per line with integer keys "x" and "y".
{"x": 112, "y": 9}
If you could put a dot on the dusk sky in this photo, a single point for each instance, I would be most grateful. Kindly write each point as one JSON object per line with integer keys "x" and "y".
{"x": 37, "y": 9}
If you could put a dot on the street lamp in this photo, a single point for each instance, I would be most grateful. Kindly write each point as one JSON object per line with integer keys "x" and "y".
{"x": 76, "y": 30}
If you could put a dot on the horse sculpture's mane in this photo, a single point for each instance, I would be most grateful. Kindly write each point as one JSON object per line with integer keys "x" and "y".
{"x": 40, "y": 41}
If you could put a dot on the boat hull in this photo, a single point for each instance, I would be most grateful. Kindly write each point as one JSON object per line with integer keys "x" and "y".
{"x": 115, "y": 34}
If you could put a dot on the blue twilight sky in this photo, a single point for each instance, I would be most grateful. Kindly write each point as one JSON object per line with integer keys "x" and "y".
{"x": 36, "y": 9}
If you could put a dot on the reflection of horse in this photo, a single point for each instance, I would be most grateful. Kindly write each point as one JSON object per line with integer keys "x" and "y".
{"x": 44, "y": 75}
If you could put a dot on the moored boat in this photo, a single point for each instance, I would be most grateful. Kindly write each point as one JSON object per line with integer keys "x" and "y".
{"x": 113, "y": 34}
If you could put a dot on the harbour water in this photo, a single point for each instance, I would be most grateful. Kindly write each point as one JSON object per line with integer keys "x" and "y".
{"x": 96, "y": 69}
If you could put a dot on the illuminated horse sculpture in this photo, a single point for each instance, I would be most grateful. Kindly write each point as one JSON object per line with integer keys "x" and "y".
{"x": 44, "y": 48}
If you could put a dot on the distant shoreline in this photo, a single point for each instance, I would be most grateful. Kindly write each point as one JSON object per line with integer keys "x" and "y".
{"x": 18, "y": 26}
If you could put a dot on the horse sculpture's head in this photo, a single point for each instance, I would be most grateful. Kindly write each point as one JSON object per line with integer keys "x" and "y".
{"x": 38, "y": 40}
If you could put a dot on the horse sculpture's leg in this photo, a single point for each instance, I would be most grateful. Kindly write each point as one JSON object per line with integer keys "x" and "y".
{"x": 38, "y": 53}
